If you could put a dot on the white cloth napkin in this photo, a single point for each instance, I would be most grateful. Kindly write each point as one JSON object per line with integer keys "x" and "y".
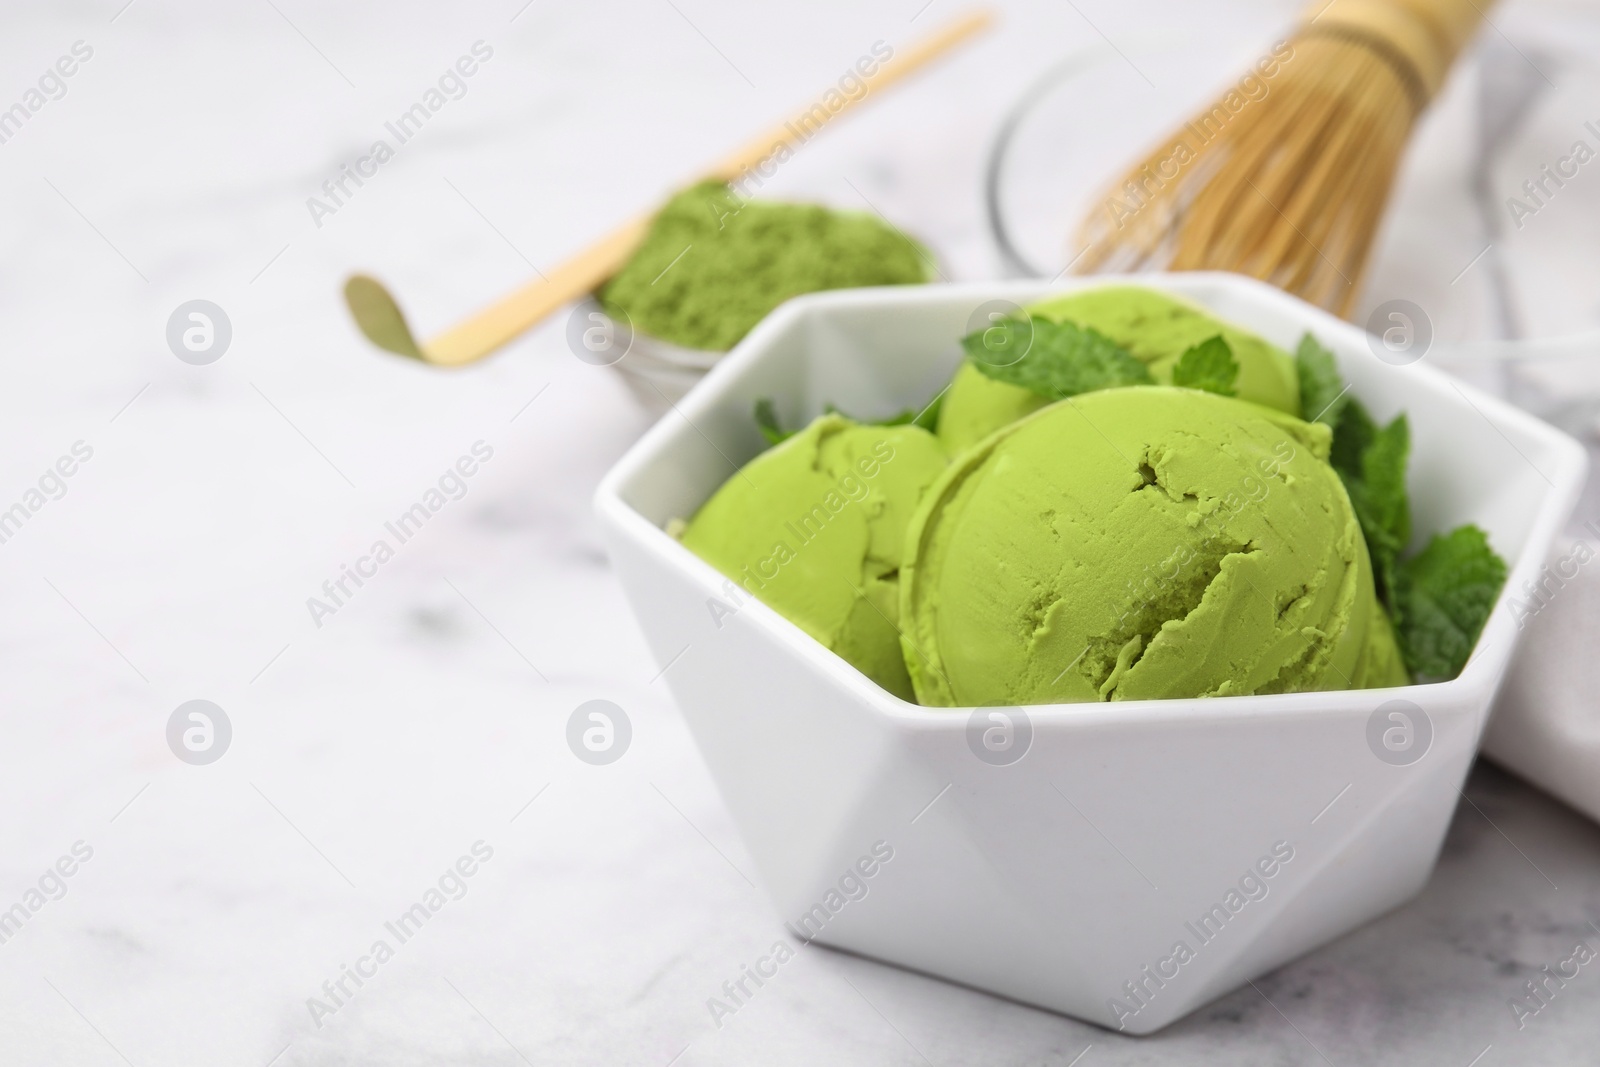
{"x": 1546, "y": 722}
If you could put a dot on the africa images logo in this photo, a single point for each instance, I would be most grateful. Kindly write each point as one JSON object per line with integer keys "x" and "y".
{"x": 1253, "y": 886}
{"x": 451, "y": 85}
{"x": 451, "y": 486}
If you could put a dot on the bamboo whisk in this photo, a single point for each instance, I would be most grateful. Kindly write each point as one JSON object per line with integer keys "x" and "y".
{"x": 1286, "y": 177}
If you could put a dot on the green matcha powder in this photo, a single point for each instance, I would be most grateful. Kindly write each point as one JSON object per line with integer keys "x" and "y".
{"x": 713, "y": 265}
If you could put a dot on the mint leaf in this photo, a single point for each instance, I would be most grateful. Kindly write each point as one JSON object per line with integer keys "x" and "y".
{"x": 766, "y": 416}
{"x": 767, "y": 419}
{"x": 1438, "y": 599}
{"x": 900, "y": 419}
{"x": 1385, "y": 508}
{"x": 925, "y": 419}
{"x": 1352, "y": 433}
{"x": 1372, "y": 464}
{"x": 928, "y": 417}
{"x": 1443, "y": 596}
{"x": 1002, "y": 342}
{"x": 1209, "y": 365}
{"x": 1058, "y": 359}
{"x": 1323, "y": 394}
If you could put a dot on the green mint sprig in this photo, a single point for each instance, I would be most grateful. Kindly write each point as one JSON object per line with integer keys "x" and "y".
{"x": 1444, "y": 595}
{"x": 766, "y": 418}
{"x": 1323, "y": 393}
{"x": 1053, "y": 359}
{"x": 1208, "y": 365}
{"x": 1372, "y": 464}
{"x": 1438, "y": 599}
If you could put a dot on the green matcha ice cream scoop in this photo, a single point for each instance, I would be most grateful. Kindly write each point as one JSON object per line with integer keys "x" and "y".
{"x": 1137, "y": 543}
{"x": 1155, "y": 328}
{"x": 815, "y": 528}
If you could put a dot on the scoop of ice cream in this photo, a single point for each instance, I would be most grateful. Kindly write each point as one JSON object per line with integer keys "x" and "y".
{"x": 1154, "y": 327}
{"x": 815, "y": 529}
{"x": 977, "y": 405}
{"x": 1383, "y": 665}
{"x": 1157, "y": 329}
{"x": 1140, "y": 543}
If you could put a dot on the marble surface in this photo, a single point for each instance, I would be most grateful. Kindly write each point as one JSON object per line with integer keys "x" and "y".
{"x": 421, "y": 724}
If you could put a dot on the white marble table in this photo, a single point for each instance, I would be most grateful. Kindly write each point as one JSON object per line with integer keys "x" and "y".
{"x": 375, "y": 747}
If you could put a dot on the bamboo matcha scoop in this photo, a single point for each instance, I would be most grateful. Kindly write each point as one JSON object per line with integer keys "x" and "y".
{"x": 381, "y": 320}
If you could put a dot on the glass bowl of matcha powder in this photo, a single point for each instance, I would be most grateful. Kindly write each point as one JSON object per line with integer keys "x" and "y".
{"x": 713, "y": 264}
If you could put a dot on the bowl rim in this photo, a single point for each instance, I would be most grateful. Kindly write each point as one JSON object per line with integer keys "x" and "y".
{"x": 1485, "y": 666}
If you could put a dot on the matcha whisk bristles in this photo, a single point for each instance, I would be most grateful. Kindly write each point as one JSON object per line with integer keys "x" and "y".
{"x": 1292, "y": 187}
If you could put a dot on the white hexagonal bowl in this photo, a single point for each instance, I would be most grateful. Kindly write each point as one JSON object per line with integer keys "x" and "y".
{"x": 1066, "y": 879}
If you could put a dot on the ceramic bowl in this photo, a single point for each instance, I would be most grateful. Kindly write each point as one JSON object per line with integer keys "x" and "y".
{"x": 1122, "y": 863}
{"x": 658, "y": 373}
